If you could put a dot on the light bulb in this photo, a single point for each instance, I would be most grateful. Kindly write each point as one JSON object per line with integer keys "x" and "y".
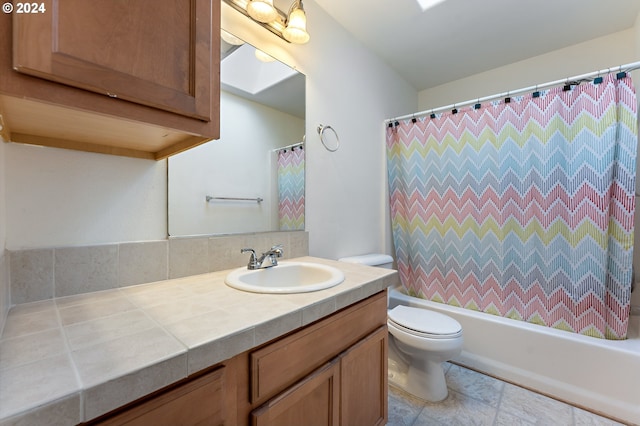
{"x": 296, "y": 31}
{"x": 262, "y": 10}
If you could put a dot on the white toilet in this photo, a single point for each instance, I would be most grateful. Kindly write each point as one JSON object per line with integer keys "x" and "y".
{"x": 420, "y": 342}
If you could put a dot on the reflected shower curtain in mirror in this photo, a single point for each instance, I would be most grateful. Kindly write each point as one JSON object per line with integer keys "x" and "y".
{"x": 522, "y": 209}
{"x": 291, "y": 189}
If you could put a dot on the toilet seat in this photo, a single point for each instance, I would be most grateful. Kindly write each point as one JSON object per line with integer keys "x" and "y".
{"x": 424, "y": 323}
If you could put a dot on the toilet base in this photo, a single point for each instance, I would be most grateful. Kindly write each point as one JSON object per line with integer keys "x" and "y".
{"x": 424, "y": 380}
{"x": 427, "y": 382}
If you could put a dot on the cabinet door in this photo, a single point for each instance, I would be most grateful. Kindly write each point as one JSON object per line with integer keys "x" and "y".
{"x": 277, "y": 366}
{"x": 363, "y": 377}
{"x": 202, "y": 401}
{"x": 312, "y": 401}
{"x": 152, "y": 52}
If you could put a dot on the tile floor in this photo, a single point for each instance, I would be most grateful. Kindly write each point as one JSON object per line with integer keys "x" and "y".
{"x": 477, "y": 399}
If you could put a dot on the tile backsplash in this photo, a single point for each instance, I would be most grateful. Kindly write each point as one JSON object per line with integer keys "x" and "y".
{"x": 45, "y": 273}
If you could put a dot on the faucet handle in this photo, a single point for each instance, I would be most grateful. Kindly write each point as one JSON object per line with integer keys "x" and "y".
{"x": 277, "y": 250}
{"x": 253, "y": 259}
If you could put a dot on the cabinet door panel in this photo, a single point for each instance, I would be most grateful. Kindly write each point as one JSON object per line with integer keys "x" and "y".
{"x": 363, "y": 376}
{"x": 312, "y": 402}
{"x": 143, "y": 51}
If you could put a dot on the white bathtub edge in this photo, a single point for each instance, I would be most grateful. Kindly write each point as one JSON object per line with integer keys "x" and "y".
{"x": 598, "y": 403}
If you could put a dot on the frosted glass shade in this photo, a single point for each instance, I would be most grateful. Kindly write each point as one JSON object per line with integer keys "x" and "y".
{"x": 296, "y": 31}
{"x": 262, "y": 10}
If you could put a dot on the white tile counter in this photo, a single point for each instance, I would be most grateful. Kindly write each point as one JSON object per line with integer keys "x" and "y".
{"x": 71, "y": 359}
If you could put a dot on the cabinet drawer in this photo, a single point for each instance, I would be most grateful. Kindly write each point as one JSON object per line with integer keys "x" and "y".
{"x": 280, "y": 364}
{"x": 201, "y": 401}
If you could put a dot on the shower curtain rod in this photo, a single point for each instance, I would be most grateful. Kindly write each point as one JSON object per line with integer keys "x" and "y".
{"x": 576, "y": 79}
{"x": 288, "y": 146}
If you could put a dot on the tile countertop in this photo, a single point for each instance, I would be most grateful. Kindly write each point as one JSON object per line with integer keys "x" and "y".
{"x": 71, "y": 359}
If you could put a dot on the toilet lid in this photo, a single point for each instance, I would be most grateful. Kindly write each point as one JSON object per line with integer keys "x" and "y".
{"x": 424, "y": 321}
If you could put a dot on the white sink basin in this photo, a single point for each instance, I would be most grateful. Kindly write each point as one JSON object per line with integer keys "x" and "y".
{"x": 287, "y": 277}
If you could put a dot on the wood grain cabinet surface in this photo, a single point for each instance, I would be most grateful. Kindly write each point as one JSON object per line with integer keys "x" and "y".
{"x": 201, "y": 401}
{"x": 314, "y": 401}
{"x": 349, "y": 390}
{"x": 137, "y": 78}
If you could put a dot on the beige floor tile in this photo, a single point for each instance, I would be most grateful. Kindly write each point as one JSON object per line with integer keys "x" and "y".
{"x": 476, "y": 385}
{"x": 473, "y": 399}
{"x": 534, "y": 407}
{"x": 457, "y": 409}
{"x": 403, "y": 408}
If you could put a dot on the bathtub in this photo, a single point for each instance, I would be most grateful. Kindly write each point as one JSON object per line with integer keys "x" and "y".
{"x": 599, "y": 375}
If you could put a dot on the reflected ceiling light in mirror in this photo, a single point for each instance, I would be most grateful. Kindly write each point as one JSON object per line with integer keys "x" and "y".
{"x": 427, "y": 4}
{"x": 291, "y": 26}
{"x": 263, "y": 57}
{"x": 230, "y": 38}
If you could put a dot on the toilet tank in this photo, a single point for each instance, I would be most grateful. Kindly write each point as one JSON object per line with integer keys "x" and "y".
{"x": 372, "y": 259}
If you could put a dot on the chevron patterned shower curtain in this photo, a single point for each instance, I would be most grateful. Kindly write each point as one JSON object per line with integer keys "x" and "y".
{"x": 522, "y": 209}
{"x": 291, "y": 189}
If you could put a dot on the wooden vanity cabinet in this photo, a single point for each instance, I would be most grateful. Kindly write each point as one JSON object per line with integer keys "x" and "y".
{"x": 349, "y": 390}
{"x": 332, "y": 372}
{"x": 129, "y": 78}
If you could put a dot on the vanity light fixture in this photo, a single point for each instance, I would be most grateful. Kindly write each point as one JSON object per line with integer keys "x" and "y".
{"x": 262, "y": 10}
{"x": 291, "y": 26}
{"x": 296, "y": 30}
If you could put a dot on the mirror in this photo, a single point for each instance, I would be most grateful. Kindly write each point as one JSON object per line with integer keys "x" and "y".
{"x": 252, "y": 178}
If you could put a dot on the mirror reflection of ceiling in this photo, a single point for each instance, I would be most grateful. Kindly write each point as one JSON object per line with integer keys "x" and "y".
{"x": 273, "y": 84}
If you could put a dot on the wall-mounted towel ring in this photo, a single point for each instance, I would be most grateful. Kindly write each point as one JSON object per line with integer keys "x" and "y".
{"x": 321, "y": 130}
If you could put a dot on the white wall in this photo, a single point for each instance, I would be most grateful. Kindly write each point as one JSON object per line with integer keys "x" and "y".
{"x": 614, "y": 49}
{"x": 57, "y": 197}
{"x": 241, "y": 163}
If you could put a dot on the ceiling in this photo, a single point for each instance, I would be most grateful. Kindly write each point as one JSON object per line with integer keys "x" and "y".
{"x": 273, "y": 84}
{"x": 458, "y": 38}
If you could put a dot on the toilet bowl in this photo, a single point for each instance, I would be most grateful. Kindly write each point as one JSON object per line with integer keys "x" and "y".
{"x": 420, "y": 341}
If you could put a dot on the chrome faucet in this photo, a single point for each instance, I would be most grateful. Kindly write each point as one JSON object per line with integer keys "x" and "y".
{"x": 271, "y": 255}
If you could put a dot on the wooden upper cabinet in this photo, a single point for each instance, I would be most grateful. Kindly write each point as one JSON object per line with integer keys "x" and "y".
{"x": 138, "y": 78}
{"x": 144, "y": 51}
